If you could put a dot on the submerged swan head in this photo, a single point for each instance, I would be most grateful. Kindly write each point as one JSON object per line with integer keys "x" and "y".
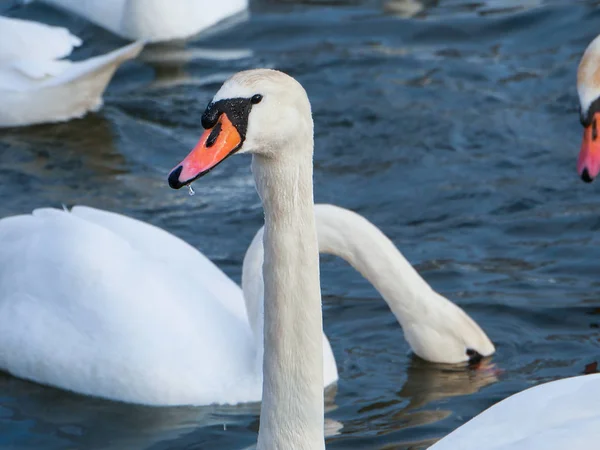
{"x": 588, "y": 89}
{"x": 255, "y": 111}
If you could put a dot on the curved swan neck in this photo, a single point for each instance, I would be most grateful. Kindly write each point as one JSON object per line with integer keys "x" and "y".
{"x": 352, "y": 237}
{"x": 292, "y": 406}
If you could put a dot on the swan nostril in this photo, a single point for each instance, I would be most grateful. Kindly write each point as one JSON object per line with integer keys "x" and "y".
{"x": 585, "y": 176}
{"x": 214, "y": 134}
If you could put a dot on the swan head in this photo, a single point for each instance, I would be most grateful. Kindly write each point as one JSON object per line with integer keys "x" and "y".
{"x": 588, "y": 89}
{"x": 446, "y": 334}
{"x": 258, "y": 111}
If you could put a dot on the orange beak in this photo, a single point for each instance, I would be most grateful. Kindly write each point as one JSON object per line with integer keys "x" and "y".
{"x": 588, "y": 163}
{"x": 214, "y": 146}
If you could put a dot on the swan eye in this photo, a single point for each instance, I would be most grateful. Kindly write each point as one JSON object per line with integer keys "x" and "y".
{"x": 256, "y": 99}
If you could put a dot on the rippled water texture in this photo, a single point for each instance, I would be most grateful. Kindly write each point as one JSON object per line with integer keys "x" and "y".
{"x": 452, "y": 125}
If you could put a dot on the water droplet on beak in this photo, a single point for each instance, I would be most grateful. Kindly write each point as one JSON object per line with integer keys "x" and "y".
{"x": 191, "y": 189}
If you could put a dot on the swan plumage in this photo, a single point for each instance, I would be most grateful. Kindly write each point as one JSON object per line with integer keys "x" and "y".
{"x": 38, "y": 86}
{"x": 153, "y": 20}
{"x": 267, "y": 113}
{"x": 91, "y": 268}
{"x": 87, "y": 306}
{"x": 551, "y": 416}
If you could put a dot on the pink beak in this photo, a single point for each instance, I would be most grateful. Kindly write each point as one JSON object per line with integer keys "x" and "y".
{"x": 588, "y": 163}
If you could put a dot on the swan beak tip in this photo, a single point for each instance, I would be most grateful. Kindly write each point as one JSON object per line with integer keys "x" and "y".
{"x": 174, "y": 181}
{"x": 585, "y": 175}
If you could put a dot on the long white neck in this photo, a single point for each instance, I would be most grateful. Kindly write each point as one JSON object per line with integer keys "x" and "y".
{"x": 292, "y": 406}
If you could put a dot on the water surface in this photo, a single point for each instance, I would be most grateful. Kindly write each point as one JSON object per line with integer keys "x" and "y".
{"x": 452, "y": 125}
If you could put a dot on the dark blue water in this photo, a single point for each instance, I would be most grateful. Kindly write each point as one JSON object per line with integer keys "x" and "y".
{"x": 453, "y": 125}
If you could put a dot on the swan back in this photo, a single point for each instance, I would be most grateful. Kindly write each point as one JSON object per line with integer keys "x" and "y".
{"x": 557, "y": 415}
{"x": 105, "y": 305}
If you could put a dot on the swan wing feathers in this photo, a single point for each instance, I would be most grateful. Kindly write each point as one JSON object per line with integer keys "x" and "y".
{"x": 39, "y": 70}
{"x": 83, "y": 308}
{"x": 165, "y": 247}
{"x": 26, "y": 75}
{"x": 24, "y": 39}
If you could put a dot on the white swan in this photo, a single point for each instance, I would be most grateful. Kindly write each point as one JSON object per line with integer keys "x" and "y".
{"x": 558, "y": 415}
{"x": 588, "y": 89}
{"x": 142, "y": 314}
{"x": 82, "y": 292}
{"x": 37, "y": 86}
{"x": 153, "y": 20}
{"x": 267, "y": 113}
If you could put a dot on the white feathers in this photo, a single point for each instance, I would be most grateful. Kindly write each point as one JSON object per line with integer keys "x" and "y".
{"x": 36, "y": 41}
{"x": 588, "y": 76}
{"x": 153, "y": 20}
{"x": 105, "y": 305}
{"x": 558, "y": 415}
{"x": 105, "y": 301}
{"x": 37, "y": 86}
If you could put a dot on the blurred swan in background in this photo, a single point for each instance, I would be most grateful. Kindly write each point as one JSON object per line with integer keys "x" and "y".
{"x": 124, "y": 310}
{"x": 37, "y": 86}
{"x": 153, "y": 20}
{"x": 557, "y": 415}
{"x": 588, "y": 90}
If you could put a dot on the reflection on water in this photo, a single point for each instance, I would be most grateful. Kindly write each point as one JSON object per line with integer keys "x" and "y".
{"x": 58, "y": 162}
{"x": 41, "y": 414}
{"x": 172, "y": 62}
{"x": 451, "y": 124}
{"x": 437, "y": 8}
{"x": 404, "y": 8}
{"x": 428, "y": 383}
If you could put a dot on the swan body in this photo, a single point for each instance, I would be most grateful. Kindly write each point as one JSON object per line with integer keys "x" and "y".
{"x": 37, "y": 86}
{"x": 105, "y": 305}
{"x": 552, "y": 416}
{"x": 153, "y": 20}
{"x": 84, "y": 294}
